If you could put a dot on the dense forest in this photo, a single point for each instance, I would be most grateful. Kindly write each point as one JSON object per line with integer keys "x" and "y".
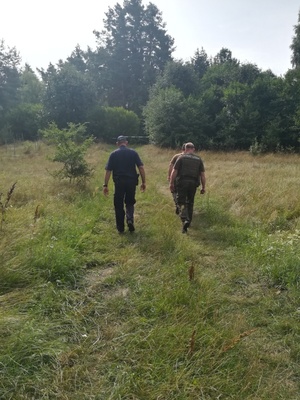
{"x": 132, "y": 85}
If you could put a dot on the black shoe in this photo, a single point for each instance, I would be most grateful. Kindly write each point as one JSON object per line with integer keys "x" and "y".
{"x": 130, "y": 226}
{"x": 120, "y": 229}
{"x": 185, "y": 226}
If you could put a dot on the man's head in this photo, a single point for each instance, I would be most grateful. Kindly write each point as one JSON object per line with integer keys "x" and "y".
{"x": 121, "y": 140}
{"x": 189, "y": 147}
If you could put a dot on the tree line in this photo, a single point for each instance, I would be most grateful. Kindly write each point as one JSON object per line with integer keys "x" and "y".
{"x": 131, "y": 84}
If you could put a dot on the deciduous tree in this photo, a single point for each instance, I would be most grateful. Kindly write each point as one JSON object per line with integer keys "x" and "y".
{"x": 69, "y": 94}
{"x": 9, "y": 76}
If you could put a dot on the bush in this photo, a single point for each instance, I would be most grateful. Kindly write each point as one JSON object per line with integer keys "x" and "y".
{"x": 25, "y": 121}
{"x": 107, "y": 123}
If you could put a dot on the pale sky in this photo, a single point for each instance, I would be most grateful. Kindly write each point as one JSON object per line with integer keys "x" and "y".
{"x": 256, "y": 31}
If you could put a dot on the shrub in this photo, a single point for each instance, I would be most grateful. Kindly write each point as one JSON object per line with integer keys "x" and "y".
{"x": 107, "y": 123}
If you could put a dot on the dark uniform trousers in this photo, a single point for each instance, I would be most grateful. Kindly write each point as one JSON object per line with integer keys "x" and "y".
{"x": 124, "y": 193}
{"x": 186, "y": 190}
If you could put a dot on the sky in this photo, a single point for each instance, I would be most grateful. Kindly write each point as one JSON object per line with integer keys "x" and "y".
{"x": 255, "y": 31}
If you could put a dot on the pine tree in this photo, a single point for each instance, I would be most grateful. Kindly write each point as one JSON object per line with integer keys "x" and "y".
{"x": 133, "y": 49}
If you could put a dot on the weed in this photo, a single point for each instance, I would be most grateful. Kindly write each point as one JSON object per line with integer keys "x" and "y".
{"x": 4, "y": 204}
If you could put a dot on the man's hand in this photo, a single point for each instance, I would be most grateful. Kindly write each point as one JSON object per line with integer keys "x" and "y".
{"x": 105, "y": 191}
{"x": 172, "y": 188}
{"x": 143, "y": 187}
{"x": 202, "y": 191}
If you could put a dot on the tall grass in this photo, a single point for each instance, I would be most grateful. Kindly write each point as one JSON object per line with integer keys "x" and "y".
{"x": 88, "y": 314}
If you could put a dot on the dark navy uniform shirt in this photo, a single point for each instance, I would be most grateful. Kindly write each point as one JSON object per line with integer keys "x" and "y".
{"x": 123, "y": 162}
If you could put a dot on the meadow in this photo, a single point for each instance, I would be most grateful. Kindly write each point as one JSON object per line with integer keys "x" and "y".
{"x": 87, "y": 314}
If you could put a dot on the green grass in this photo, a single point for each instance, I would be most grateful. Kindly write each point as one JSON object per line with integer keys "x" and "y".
{"x": 89, "y": 314}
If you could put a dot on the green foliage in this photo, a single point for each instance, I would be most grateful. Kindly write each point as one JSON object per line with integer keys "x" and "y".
{"x": 200, "y": 62}
{"x": 220, "y": 74}
{"x": 31, "y": 88}
{"x": 295, "y": 46}
{"x": 224, "y": 106}
{"x": 68, "y": 96}
{"x": 56, "y": 262}
{"x": 133, "y": 49}
{"x": 107, "y": 123}
{"x": 225, "y": 57}
{"x": 181, "y": 76}
{"x": 9, "y": 77}
{"x": 25, "y": 120}
{"x": 71, "y": 145}
{"x": 20, "y": 98}
{"x": 278, "y": 255}
{"x": 6, "y": 135}
{"x": 163, "y": 120}
{"x": 257, "y": 148}
{"x": 130, "y": 69}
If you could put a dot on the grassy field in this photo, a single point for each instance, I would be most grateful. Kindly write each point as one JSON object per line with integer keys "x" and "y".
{"x": 156, "y": 315}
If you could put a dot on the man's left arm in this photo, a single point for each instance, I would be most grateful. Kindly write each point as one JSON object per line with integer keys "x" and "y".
{"x": 143, "y": 177}
{"x": 203, "y": 182}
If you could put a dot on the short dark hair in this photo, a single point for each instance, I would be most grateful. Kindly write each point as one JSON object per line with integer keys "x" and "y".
{"x": 189, "y": 145}
{"x": 122, "y": 138}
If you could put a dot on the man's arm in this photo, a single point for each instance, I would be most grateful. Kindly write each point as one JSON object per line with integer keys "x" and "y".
{"x": 143, "y": 176}
{"x": 171, "y": 165}
{"x": 170, "y": 170}
{"x": 106, "y": 180}
{"x": 172, "y": 179}
{"x": 203, "y": 182}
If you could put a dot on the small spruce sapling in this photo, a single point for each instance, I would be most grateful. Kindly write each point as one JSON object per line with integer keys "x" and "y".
{"x": 71, "y": 145}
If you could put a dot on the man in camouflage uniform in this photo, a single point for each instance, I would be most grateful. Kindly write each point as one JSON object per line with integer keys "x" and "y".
{"x": 188, "y": 172}
{"x": 171, "y": 165}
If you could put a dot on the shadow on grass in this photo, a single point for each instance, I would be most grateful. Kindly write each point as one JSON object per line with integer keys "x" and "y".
{"x": 215, "y": 225}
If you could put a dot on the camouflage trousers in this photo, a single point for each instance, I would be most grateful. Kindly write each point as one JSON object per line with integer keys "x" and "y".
{"x": 185, "y": 195}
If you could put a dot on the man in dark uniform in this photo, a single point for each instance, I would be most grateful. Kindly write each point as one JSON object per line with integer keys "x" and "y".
{"x": 122, "y": 163}
{"x": 188, "y": 172}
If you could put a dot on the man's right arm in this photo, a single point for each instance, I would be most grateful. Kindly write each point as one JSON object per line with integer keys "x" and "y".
{"x": 170, "y": 170}
{"x": 171, "y": 165}
{"x": 203, "y": 182}
{"x": 172, "y": 179}
{"x": 106, "y": 180}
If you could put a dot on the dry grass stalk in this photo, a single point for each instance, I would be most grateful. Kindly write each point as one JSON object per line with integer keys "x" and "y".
{"x": 5, "y": 204}
{"x": 237, "y": 340}
{"x": 9, "y": 194}
{"x": 36, "y": 214}
{"x": 192, "y": 272}
{"x": 192, "y": 343}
